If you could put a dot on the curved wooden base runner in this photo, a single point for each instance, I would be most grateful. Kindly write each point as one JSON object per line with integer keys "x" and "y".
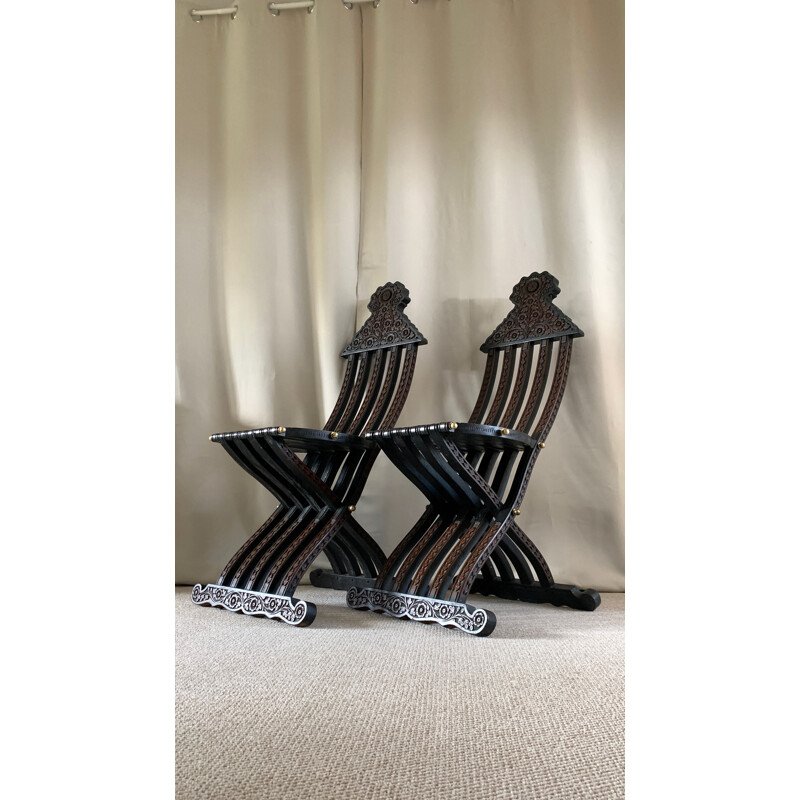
{"x": 475, "y": 621}
{"x": 256, "y": 604}
{"x": 559, "y": 594}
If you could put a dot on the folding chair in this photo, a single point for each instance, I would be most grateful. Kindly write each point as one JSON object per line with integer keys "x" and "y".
{"x": 318, "y": 492}
{"x": 475, "y": 475}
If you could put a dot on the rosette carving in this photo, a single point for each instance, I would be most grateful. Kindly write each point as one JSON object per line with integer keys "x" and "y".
{"x": 387, "y": 325}
{"x": 534, "y": 317}
{"x": 422, "y": 609}
{"x": 255, "y": 604}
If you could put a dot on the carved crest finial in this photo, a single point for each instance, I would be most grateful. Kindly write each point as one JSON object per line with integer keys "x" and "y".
{"x": 534, "y": 317}
{"x": 387, "y": 325}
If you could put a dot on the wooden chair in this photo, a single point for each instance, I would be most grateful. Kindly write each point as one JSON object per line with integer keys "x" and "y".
{"x": 475, "y": 475}
{"x": 318, "y": 492}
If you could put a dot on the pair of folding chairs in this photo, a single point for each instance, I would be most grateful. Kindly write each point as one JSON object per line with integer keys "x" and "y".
{"x": 474, "y": 474}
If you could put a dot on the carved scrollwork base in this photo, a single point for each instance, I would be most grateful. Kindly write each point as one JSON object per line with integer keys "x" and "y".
{"x": 475, "y": 621}
{"x": 256, "y": 604}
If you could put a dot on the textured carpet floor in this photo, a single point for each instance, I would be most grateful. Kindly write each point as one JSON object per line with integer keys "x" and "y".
{"x": 363, "y": 706}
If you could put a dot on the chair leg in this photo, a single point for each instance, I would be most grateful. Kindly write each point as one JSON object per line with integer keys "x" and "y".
{"x": 422, "y": 552}
{"x": 241, "y": 591}
{"x": 362, "y": 549}
{"x": 232, "y": 591}
{"x": 524, "y": 588}
{"x": 260, "y": 580}
{"x": 443, "y": 599}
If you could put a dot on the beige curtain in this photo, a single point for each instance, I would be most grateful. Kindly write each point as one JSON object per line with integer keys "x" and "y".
{"x": 454, "y": 146}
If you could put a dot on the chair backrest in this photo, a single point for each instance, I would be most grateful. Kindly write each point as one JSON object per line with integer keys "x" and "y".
{"x": 380, "y": 365}
{"x": 520, "y": 368}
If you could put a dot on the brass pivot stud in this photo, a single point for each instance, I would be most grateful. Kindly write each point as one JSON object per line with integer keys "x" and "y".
{"x": 351, "y": 508}
{"x": 452, "y": 425}
{"x": 334, "y": 435}
{"x": 540, "y": 445}
{"x": 281, "y": 429}
{"x": 505, "y": 431}
{"x": 515, "y": 512}
{"x": 210, "y": 438}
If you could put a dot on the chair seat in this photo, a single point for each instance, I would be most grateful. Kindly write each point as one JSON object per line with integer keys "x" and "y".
{"x": 304, "y": 440}
{"x": 466, "y": 435}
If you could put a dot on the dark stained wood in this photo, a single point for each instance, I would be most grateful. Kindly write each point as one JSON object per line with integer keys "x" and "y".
{"x": 318, "y": 477}
{"x": 476, "y": 474}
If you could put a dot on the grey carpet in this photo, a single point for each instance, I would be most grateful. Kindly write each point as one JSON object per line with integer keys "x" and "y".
{"x": 363, "y": 706}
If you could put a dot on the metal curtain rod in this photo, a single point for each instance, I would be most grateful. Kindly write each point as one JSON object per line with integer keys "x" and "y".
{"x": 197, "y": 15}
{"x": 276, "y": 8}
{"x": 348, "y": 4}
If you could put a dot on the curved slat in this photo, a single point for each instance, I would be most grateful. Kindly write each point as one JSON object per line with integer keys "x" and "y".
{"x": 364, "y": 368}
{"x": 263, "y": 532}
{"x": 537, "y": 389}
{"x": 387, "y": 390}
{"x": 521, "y": 476}
{"x": 349, "y": 469}
{"x": 312, "y": 489}
{"x": 458, "y": 554}
{"x": 435, "y": 551}
{"x": 261, "y": 455}
{"x": 371, "y": 395}
{"x": 520, "y": 387}
{"x": 509, "y": 550}
{"x": 356, "y": 487}
{"x": 268, "y": 555}
{"x": 449, "y": 479}
{"x": 403, "y": 386}
{"x": 537, "y": 560}
{"x": 469, "y": 473}
{"x": 439, "y": 490}
{"x": 488, "y": 571}
{"x": 482, "y": 403}
{"x": 316, "y": 461}
{"x": 476, "y": 559}
{"x": 344, "y": 395}
{"x": 503, "y": 386}
{"x": 360, "y": 540}
{"x": 314, "y": 546}
{"x": 484, "y": 466}
{"x": 498, "y": 558}
{"x": 328, "y": 467}
{"x": 287, "y": 556}
{"x": 394, "y": 562}
{"x": 231, "y": 447}
{"x": 505, "y": 469}
{"x": 339, "y": 558}
{"x": 556, "y": 390}
{"x": 397, "y": 452}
